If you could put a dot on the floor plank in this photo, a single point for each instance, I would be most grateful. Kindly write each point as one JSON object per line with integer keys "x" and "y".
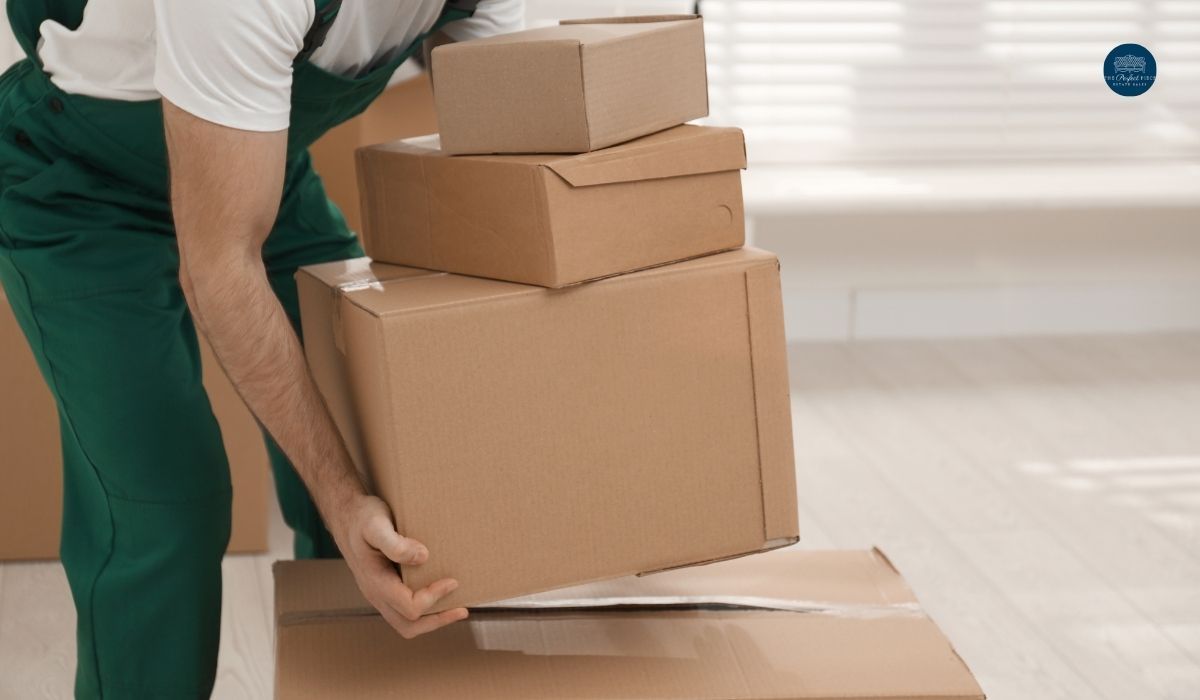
{"x": 1041, "y": 495}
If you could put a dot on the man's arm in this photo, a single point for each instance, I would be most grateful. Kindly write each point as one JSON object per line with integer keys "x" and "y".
{"x": 225, "y": 189}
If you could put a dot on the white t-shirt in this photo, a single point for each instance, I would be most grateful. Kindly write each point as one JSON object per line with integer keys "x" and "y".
{"x": 230, "y": 61}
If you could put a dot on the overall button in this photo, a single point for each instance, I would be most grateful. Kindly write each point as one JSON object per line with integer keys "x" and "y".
{"x": 55, "y": 105}
{"x": 23, "y": 139}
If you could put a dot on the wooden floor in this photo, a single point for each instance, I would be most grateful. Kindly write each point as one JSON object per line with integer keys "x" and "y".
{"x": 1042, "y": 496}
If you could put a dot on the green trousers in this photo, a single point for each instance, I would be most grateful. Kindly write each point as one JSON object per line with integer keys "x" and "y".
{"x": 89, "y": 262}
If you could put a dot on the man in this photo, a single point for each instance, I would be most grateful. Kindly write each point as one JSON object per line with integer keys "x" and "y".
{"x": 109, "y": 257}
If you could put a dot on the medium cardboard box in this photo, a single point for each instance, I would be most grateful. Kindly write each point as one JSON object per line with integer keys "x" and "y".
{"x": 555, "y": 220}
{"x": 572, "y": 88}
{"x": 31, "y": 464}
{"x": 538, "y": 438}
{"x": 403, "y": 110}
{"x": 789, "y": 624}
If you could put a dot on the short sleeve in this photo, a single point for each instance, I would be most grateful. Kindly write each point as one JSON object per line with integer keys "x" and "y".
{"x": 230, "y": 61}
{"x": 491, "y": 17}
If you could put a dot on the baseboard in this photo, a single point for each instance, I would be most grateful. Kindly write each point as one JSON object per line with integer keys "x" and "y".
{"x": 981, "y": 311}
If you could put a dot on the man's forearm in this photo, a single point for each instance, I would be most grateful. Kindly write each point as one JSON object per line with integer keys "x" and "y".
{"x": 235, "y": 307}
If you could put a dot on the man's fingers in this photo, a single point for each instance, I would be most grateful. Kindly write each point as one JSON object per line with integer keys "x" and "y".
{"x": 425, "y": 598}
{"x": 394, "y": 619}
{"x": 430, "y": 623}
{"x": 380, "y": 534}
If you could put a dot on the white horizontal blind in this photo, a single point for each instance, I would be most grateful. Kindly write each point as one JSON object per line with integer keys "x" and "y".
{"x": 912, "y": 80}
{"x": 543, "y": 12}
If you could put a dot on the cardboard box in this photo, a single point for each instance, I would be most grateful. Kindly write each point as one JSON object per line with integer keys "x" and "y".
{"x": 537, "y": 438}
{"x": 403, "y": 110}
{"x": 790, "y": 624}
{"x": 31, "y": 464}
{"x": 572, "y": 88}
{"x": 555, "y": 220}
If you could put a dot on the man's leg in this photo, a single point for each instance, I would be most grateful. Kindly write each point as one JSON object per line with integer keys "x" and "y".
{"x": 91, "y": 275}
{"x": 309, "y": 230}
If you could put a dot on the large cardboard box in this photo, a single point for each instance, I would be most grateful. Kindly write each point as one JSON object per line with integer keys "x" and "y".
{"x": 555, "y": 220}
{"x": 571, "y": 88}
{"x": 819, "y": 624}
{"x": 31, "y": 465}
{"x": 537, "y": 438}
{"x": 403, "y": 110}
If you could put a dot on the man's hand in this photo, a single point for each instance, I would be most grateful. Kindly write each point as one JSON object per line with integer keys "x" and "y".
{"x": 372, "y": 549}
{"x": 225, "y": 190}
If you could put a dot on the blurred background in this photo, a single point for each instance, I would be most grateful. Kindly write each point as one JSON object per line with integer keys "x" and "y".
{"x": 992, "y": 286}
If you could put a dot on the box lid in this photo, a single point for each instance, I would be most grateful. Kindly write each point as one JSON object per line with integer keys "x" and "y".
{"x": 683, "y": 150}
{"x": 850, "y": 628}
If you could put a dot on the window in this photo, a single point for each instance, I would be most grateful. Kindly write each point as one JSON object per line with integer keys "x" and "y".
{"x": 917, "y": 80}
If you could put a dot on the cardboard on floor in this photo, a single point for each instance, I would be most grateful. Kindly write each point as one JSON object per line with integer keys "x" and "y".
{"x": 788, "y": 624}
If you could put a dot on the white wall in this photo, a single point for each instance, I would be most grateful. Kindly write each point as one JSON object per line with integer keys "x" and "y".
{"x": 953, "y": 252}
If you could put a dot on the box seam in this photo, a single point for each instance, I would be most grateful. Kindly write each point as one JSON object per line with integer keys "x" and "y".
{"x": 541, "y": 195}
{"x": 587, "y": 105}
{"x": 432, "y": 260}
{"x": 758, "y": 445}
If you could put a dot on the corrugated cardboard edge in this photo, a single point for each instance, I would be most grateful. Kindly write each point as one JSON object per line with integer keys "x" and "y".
{"x": 772, "y": 401}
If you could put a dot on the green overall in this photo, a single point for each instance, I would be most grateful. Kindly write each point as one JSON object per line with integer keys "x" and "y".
{"x": 89, "y": 262}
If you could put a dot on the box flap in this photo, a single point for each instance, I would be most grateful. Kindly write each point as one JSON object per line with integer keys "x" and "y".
{"x": 683, "y": 150}
{"x": 772, "y": 401}
{"x": 315, "y": 588}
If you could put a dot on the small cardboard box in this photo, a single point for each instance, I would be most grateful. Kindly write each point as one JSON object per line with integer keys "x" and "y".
{"x": 555, "y": 220}
{"x": 572, "y": 88}
{"x": 538, "y": 438}
{"x": 31, "y": 462}
{"x": 790, "y": 624}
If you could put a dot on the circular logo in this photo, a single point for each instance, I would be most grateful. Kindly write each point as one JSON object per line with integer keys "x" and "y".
{"x": 1130, "y": 69}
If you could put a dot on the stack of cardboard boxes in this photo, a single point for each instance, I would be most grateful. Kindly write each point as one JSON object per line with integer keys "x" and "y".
{"x": 560, "y": 368}
{"x": 533, "y": 426}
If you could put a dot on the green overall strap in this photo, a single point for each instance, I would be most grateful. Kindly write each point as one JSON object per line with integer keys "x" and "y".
{"x": 327, "y": 10}
{"x": 26, "y": 17}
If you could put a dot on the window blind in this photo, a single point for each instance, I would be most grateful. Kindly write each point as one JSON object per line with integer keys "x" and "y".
{"x": 543, "y": 12}
{"x": 916, "y": 80}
